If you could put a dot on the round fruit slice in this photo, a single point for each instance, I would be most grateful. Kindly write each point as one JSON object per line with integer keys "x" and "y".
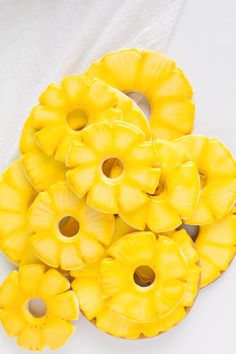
{"x": 42, "y": 170}
{"x": 159, "y": 80}
{"x": 215, "y": 243}
{"x": 37, "y": 306}
{"x": 144, "y": 285}
{"x": 176, "y": 195}
{"x": 16, "y": 196}
{"x": 66, "y": 109}
{"x": 217, "y": 172}
{"x": 66, "y": 231}
{"x": 105, "y": 144}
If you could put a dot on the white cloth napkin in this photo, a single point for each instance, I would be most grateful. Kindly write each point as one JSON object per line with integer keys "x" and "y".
{"x": 44, "y": 40}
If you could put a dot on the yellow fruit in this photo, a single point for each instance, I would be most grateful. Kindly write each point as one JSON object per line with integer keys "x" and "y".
{"x": 42, "y": 170}
{"x": 215, "y": 243}
{"x": 121, "y": 229}
{"x": 216, "y": 247}
{"x": 67, "y": 232}
{"x": 176, "y": 196}
{"x": 51, "y": 325}
{"x": 66, "y": 109}
{"x": 217, "y": 171}
{"x": 159, "y": 79}
{"x": 104, "y": 144}
{"x": 143, "y": 286}
{"x": 16, "y": 196}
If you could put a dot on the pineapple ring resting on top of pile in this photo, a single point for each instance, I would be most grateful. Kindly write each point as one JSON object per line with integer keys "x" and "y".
{"x": 217, "y": 171}
{"x": 156, "y": 77}
{"x": 66, "y": 231}
{"x": 176, "y": 196}
{"x": 104, "y": 144}
{"x": 66, "y": 109}
{"x": 21, "y": 317}
{"x": 42, "y": 170}
{"x": 142, "y": 287}
{"x": 16, "y": 196}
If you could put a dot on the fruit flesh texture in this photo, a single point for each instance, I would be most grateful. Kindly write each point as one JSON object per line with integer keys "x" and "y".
{"x": 93, "y": 294}
{"x": 81, "y": 238}
{"x": 156, "y": 77}
{"x": 104, "y": 141}
{"x": 176, "y": 196}
{"x": 217, "y": 172}
{"x": 42, "y": 170}
{"x": 16, "y": 196}
{"x": 215, "y": 244}
{"x": 52, "y": 328}
{"x": 64, "y": 110}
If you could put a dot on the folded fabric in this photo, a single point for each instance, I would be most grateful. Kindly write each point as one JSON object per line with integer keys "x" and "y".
{"x": 43, "y": 41}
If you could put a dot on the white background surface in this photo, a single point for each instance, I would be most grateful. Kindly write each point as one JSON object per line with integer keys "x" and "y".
{"x": 204, "y": 45}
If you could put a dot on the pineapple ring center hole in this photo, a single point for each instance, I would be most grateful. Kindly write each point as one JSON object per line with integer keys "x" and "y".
{"x": 141, "y": 101}
{"x": 192, "y": 230}
{"x": 37, "y": 307}
{"x": 77, "y": 119}
{"x": 113, "y": 168}
{"x": 68, "y": 226}
{"x": 144, "y": 276}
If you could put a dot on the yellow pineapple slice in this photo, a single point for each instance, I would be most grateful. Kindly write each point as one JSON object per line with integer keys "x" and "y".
{"x": 215, "y": 243}
{"x": 176, "y": 196}
{"x": 66, "y": 231}
{"x": 42, "y": 170}
{"x": 37, "y": 306}
{"x": 16, "y": 196}
{"x": 118, "y": 296}
{"x": 217, "y": 172}
{"x": 157, "y": 77}
{"x": 216, "y": 246}
{"x": 65, "y": 109}
{"x": 106, "y": 143}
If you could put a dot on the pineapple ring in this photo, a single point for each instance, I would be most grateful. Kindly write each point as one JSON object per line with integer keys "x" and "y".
{"x": 215, "y": 244}
{"x": 102, "y": 297}
{"x": 66, "y": 109}
{"x": 16, "y": 196}
{"x": 42, "y": 170}
{"x": 177, "y": 194}
{"x": 217, "y": 171}
{"x": 109, "y": 141}
{"x": 34, "y": 330}
{"x": 159, "y": 79}
{"x": 67, "y": 246}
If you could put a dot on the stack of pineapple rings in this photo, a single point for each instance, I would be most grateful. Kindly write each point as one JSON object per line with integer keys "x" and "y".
{"x": 96, "y": 211}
